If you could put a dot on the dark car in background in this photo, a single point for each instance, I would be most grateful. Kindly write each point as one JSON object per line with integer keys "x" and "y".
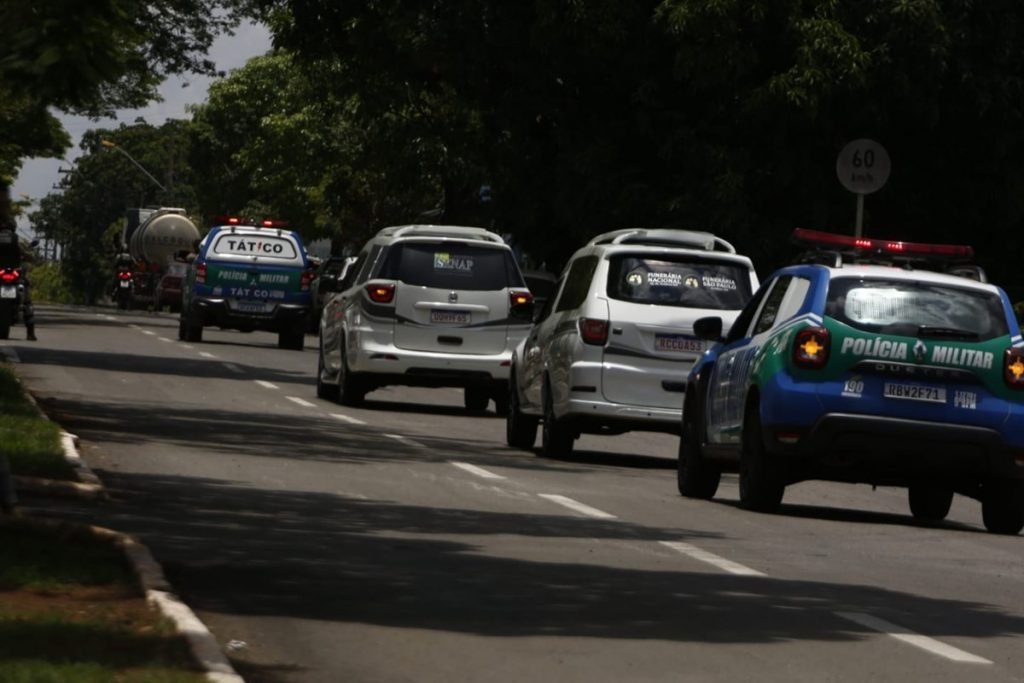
{"x": 168, "y": 289}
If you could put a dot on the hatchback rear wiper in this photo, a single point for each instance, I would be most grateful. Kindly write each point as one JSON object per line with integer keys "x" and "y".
{"x": 928, "y": 331}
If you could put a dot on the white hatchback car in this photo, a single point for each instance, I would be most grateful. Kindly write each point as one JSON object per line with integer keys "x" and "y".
{"x": 425, "y": 305}
{"x": 610, "y": 352}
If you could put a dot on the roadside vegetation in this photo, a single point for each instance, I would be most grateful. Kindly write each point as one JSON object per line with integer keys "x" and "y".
{"x": 30, "y": 442}
{"x": 49, "y": 286}
{"x": 71, "y": 611}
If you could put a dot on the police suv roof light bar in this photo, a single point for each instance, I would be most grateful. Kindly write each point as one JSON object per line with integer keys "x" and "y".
{"x": 873, "y": 247}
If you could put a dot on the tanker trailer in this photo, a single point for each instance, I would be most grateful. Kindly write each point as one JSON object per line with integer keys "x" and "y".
{"x": 154, "y": 245}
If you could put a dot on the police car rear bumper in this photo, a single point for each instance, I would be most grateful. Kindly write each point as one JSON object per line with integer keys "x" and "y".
{"x": 216, "y": 312}
{"x": 876, "y": 449}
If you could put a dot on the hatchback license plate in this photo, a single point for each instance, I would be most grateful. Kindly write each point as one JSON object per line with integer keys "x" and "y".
{"x": 450, "y": 317}
{"x": 8, "y": 292}
{"x": 915, "y": 392}
{"x": 678, "y": 342}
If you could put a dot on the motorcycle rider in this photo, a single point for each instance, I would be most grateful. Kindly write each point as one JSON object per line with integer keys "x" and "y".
{"x": 12, "y": 255}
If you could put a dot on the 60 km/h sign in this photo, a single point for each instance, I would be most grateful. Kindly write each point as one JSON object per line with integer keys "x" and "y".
{"x": 863, "y": 167}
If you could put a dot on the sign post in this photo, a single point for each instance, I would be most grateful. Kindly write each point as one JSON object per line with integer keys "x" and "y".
{"x": 863, "y": 167}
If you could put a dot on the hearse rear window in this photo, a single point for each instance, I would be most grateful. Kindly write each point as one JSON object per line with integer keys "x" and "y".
{"x": 679, "y": 281}
{"x": 451, "y": 265}
{"x": 264, "y": 246}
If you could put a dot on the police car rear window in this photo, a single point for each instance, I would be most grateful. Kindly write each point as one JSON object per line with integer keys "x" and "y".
{"x": 679, "y": 281}
{"x": 451, "y": 265}
{"x": 906, "y": 307}
{"x": 264, "y": 246}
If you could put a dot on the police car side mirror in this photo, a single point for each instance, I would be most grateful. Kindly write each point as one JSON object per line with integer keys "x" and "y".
{"x": 708, "y": 328}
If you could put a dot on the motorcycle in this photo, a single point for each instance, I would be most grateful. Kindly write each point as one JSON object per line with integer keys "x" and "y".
{"x": 125, "y": 289}
{"x": 12, "y": 293}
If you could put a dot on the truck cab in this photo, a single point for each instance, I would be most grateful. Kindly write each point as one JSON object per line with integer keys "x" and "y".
{"x": 249, "y": 277}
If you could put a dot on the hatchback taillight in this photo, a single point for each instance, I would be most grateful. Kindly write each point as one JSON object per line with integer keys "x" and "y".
{"x": 307, "y": 277}
{"x": 1013, "y": 368}
{"x": 810, "y": 348}
{"x": 201, "y": 273}
{"x": 594, "y": 331}
{"x": 381, "y": 294}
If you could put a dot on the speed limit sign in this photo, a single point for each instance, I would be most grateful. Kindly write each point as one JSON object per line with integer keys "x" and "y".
{"x": 863, "y": 166}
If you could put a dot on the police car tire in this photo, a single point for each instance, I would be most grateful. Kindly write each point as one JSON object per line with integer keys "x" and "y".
{"x": 761, "y": 485}
{"x": 696, "y": 477}
{"x": 928, "y": 502}
{"x": 556, "y": 437}
{"x": 520, "y": 429}
{"x": 1002, "y": 507}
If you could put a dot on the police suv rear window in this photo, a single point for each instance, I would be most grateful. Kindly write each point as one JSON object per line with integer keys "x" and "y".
{"x": 912, "y": 308}
{"x": 678, "y": 281}
{"x": 248, "y": 244}
{"x": 451, "y": 265}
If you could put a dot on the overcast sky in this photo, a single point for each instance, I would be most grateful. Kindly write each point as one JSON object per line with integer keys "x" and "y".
{"x": 38, "y": 176}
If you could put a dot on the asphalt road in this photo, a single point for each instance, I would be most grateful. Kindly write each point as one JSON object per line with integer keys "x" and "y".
{"x": 403, "y": 541}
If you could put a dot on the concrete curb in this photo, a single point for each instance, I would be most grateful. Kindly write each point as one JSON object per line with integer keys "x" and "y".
{"x": 157, "y": 589}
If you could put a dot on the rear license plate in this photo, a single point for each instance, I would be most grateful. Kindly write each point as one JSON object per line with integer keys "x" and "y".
{"x": 251, "y": 306}
{"x": 8, "y": 292}
{"x": 450, "y": 317}
{"x": 678, "y": 342}
{"x": 915, "y": 392}
{"x": 124, "y": 284}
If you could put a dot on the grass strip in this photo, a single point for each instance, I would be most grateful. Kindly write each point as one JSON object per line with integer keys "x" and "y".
{"x": 70, "y": 610}
{"x": 30, "y": 442}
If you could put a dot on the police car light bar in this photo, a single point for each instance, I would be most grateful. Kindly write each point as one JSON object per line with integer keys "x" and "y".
{"x": 880, "y": 247}
{"x": 238, "y": 220}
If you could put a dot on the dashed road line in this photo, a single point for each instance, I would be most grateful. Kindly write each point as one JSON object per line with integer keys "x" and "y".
{"x": 206, "y": 354}
{"x": 108, "y": 317}
{"x": 347, "y": 418}
{"x": 478, "y": 471}
{"x": 265, "y": 384}
{"x": 187, "y": 346}
{"x": 301, "y": 401}
{"x": 576, "y": 506}
{"x": 149, "y": 332}
{"x": 905, "y": 635}
{"x": 164, "y": 339}
{"x": 696, "y": 553}
{"x": 403, "y": 439}
{"x": 233, "y": 368}
{"x": 10, "y": 354}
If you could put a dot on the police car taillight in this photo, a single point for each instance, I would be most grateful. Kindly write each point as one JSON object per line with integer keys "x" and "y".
{"x": 811, "y": 347}
{"x": 381, "y": 294}
{"x": 594, "y": 331}
{"x": 1013, "y": 368}
{"x": 307, "y": 277}
{"x": 201, "y": 273}
{"x": 870, "y": 245}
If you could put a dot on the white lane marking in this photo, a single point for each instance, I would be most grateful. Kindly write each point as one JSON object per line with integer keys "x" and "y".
{"x": 109, "y": 317}
{"x": 478, "y": 471}
{"x": 206, "y": 354}
{"x": 265, "y": 384}
{"x": 916, "y": 639}
{"x": 301, "y": 401}
{"x": 696, "y": 553}
{"x": 233, "y": 368}
{"x": 404, "y": 439}
{"x": 187, "y": 346}
{"x": 163, "y": 339}
{"x": 576, "y": 506}
{"x": 346, "y": 418}
{"x": 10, "y": 354}
{"x": 149, "y": 332}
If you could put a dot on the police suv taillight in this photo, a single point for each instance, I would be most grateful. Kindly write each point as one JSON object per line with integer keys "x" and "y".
{"x": 201, "y": 273}
{"x": 381, "y": 294}
{"x": 307, "y": 277}
{"x": 594, "y": 331}
{"x": 1013, "y": 368}
{"x": 810, "y": 348}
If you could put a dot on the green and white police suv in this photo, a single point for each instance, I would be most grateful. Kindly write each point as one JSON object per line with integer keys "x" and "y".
{"x": 249, "y": 277}
{"x": 871, "y": 361}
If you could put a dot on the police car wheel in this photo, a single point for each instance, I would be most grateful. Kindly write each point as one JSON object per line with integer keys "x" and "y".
{"x": 929, "y": 502}
{"x": 520, "y": 430}
{"x": 556, "y": 437}
{"x": 696, "y": 477}
{"x": 1002, "y": 507}
{"x": 761, "y": 484}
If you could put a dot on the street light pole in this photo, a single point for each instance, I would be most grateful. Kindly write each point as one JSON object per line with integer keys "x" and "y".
{"x": 110, "y": 144}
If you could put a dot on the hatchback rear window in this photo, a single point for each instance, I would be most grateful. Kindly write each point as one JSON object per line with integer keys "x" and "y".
{"x": 264, "y": 246}
{"x": 679, "y": 281}
{"x": 914, "y": 308}
{"x": 451, "y": 265}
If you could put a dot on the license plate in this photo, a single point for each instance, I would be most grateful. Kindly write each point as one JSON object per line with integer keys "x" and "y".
{"x": 8, "y": 292}
{"x": 450, "y": 317}
{"x": 251, "y": 306}
{"x": 915, "y": 392}
{"x": 124, "y": 284}
{"x": 678, "y": 342}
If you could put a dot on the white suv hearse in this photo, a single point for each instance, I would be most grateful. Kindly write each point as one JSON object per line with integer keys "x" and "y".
{"x": 425, "y": 305}
{"x": 610, "y": 352}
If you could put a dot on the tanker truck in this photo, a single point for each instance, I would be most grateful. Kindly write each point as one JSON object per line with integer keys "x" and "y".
{"x": 156, "y": 240}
